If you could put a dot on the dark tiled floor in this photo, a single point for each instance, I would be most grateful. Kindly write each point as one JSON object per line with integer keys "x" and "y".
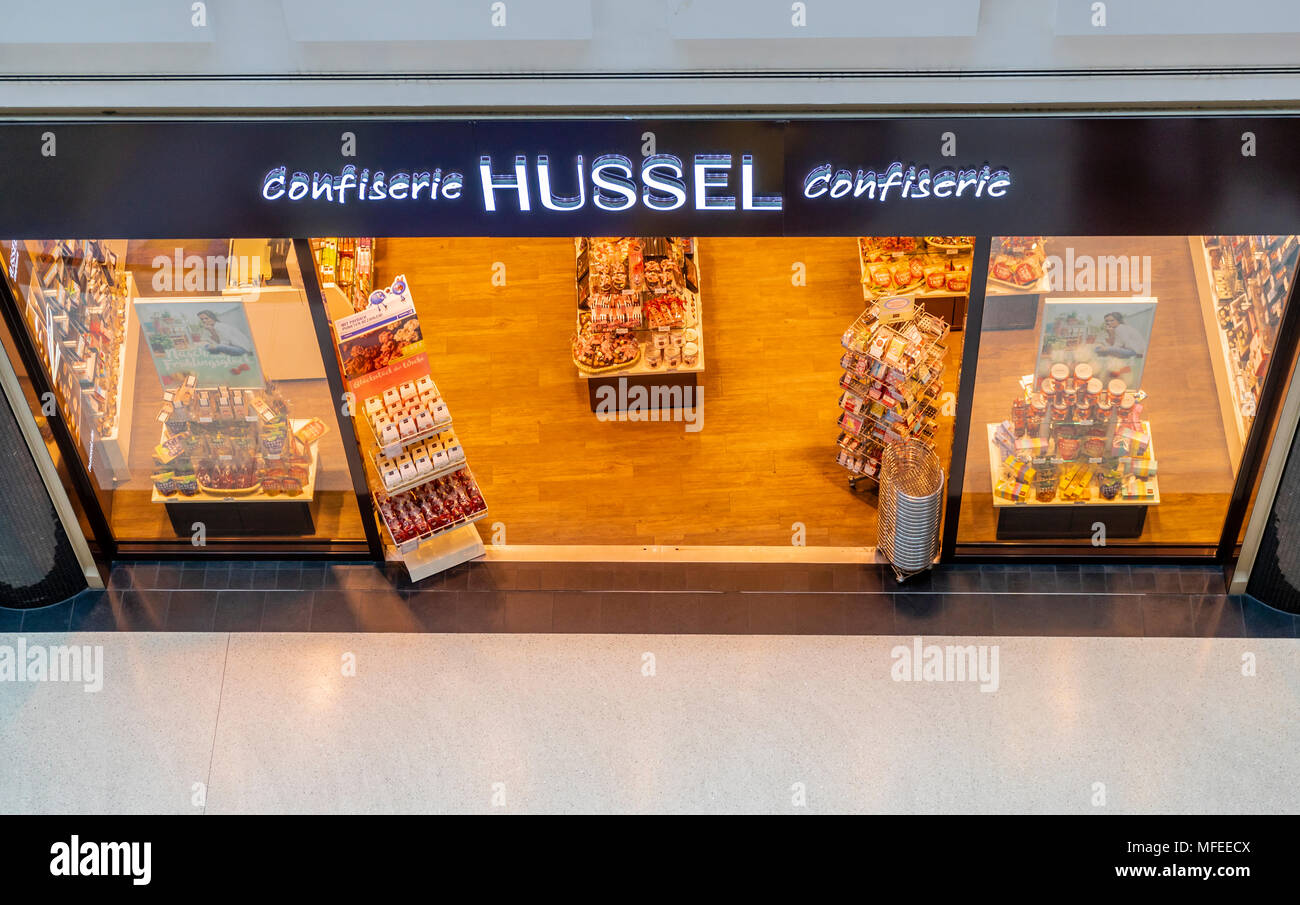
{"x": 1049, "y": 600}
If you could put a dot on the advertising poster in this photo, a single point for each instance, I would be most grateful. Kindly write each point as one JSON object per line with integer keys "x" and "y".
{"x": 208, "y": 338}
{"x": 382, "y": 334}
{"x": 1111, "y": 334}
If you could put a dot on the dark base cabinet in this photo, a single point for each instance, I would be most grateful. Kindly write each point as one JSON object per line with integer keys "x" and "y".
{"x": 1069, "y": 522}
{"x": 614, "y": 393}
{"x": 1011, "y": 312}
{"x": 227, "y": 519}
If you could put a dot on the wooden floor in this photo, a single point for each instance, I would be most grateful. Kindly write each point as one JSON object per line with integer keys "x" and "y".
{"x": 553, "y": 474}
{"x": 1196, "y": 475}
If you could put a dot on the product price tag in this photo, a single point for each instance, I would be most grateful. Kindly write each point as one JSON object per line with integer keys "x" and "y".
{"x": 1096, "y": 461}
{"x": 205, "y": 420}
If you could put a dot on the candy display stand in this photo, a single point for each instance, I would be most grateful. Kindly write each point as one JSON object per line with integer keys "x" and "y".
{"x": 647, "y": 369}
{"x": 893, "y": 375}
{"x": 425, "y": 498}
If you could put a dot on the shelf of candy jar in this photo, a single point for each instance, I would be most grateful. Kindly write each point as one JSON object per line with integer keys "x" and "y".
{"x": 1072, "y": 439}
{"x": 227, "y": 443}
{"x": 922, "y": 266}
{"x": 432, "y": 509}
{"x": 638, "y": 306}
{"x": 347, "y": 264}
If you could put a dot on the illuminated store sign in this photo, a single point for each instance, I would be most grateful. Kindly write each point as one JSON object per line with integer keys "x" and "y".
{"x": 612, "y": 182}
{"x": 906, "y": 182}
{"x": 364, "y": 186}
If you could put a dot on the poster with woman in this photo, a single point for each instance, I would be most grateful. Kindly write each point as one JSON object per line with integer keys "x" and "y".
{"x": 1110, "y": 334}
{"x": 208, "y": 338}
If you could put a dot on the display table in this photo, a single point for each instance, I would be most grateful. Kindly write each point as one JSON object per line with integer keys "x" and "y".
{"x": 943, "y": 303}
{"x": 662, "y": 387}
{"x": 246, "y": 515}
{"x": 1068, "y": 519}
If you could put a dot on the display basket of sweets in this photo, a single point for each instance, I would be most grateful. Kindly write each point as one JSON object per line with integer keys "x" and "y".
{"x": 953, "y": 243}
{"x": 230, "y": 491}
{"x": 604, "y": 353}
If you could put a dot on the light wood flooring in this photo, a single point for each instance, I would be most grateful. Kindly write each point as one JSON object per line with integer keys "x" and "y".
{"x": 554, "y": 474}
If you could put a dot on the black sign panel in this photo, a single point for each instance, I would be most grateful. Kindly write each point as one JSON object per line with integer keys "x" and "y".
{"x": 915, "y": 176}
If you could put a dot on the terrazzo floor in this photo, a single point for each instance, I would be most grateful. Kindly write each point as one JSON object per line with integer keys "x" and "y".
{"x": 216, "y": 722}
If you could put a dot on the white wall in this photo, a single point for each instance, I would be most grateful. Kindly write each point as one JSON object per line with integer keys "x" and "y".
{"x": 345, "y": 55}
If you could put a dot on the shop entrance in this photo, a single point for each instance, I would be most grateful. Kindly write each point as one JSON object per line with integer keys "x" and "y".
{"x": 724, "y": 425}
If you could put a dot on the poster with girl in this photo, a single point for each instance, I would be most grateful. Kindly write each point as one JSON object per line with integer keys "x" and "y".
{"x": 1111, "y": 334}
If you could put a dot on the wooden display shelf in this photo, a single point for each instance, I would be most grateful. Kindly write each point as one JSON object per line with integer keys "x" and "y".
{"x": 1225, "y": 374}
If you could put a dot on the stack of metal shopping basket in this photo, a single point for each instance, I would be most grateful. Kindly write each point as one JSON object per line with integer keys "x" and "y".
{"x": 911, "y": 499}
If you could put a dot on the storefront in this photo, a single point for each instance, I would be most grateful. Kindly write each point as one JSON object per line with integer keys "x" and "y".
{"x": 686, "y": 337}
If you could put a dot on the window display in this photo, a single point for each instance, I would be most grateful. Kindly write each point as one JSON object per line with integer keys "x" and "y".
{"x": 201, "y": 423}
{"x": 1116, "y": 346}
